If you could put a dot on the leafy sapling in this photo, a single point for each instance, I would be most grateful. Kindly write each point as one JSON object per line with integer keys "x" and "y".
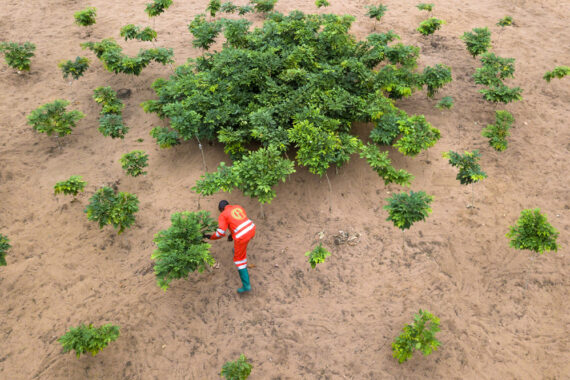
{"x": 73, "y": 186}
{"x": 134, "y": 32}
{"x": 469, "y": 169}
{"x": 501, "y": 94}
{"x": 435, "y": 78}
{"x": 157, "y": 7}
{"x": 317, "y": 255}
{"x": 181, "y": 249}
{"x": 404, "y": 210}
{"x": 322, "y": 3}
{"x": 505, "y": 21}
{"x": 88, "y": 339}
{"x": 445, "y": 103}
{"x": 213, "y": 7}
{"x": 477, "y": 42}
{"x": 85, "y": 17}
{"x": 228, "y": 7}
{"x": 238, "y": 370}
{"x": 430, "y": 25}
{"x": 376, "y": 12}
{"x": 133, "y": 163}
{"x": 4, "y": 247}
{"x": 263, "y": 6}
{"x": 107, "y": 206}
{"x": 165, "y": 137}
{"x": 533, "y": 232}
{"x": 425, "y": 7}
{"x": 419, "y": 335}
{"x": 75, "y": 69}
{"x": 18, "y": 55}
{"x": 245, "y": 9}
{"x": 204, "y": 32}
{"x": 497, "y": 133}
{"x": 381, "y": 164}
{"x": 112, "y": 125}
{"x": 107, "y": 98}
{"x": 417, "y": 135}
{"x": 53, "y": 118}
{"x": 558, "y": 72}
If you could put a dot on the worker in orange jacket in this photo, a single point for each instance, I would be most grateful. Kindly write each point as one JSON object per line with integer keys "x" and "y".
{"x": 243, "y": 230}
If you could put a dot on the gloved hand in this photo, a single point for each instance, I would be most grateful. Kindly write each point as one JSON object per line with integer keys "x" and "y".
{"x": 230, "y": 238}
{"x": 206, "y": 236}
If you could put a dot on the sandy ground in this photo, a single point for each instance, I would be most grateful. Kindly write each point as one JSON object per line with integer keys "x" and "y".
{"x": 503, "y": 315}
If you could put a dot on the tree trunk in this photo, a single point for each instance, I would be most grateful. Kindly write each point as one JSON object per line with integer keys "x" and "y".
{"x": 330, "y": 192}
{"x": 262, "y": 213}
{"x": 202, "y": 152}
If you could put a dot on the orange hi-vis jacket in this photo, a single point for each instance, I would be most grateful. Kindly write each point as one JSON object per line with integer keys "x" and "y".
{"x": 241, "y": 228}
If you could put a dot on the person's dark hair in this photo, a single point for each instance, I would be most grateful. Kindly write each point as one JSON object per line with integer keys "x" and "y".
{"x": 222, "y": 205}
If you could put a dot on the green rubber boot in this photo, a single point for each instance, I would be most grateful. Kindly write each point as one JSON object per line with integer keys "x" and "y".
{"x": 244, "y": 280}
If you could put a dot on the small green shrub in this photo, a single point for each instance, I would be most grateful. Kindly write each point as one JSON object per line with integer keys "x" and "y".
{"x": 238, "y": 370}
{"x": 505, "y": 21}
{"x": 558, "y": 72}
{"x": 4, "y": 247}
{"x": 417, "y": 135}
{"x": 494, "y": 70}
{"x": 108, "y": 207}
{"x": 404, "y": 210}
{"x": 381, "y": 164}
{"x": 134, "y": 32}
{"x": 376, "y": 12}
{"x": 533, "y": 232}
{"x": 134, "y": 162}
{"x": 213, "y": 7}
{"x": 111, "y": 124}
{"x": 52, "y": 118}
{"x": 107, "y": 98}
{"x": 468, "y": 165}
{"x": 245, "y": 9}
{"x": 445, "y": 102}
{"x": 228, "y": 7}
{"x": 430, "y": 25}
{"x": 181, "y": 249}
{"x": 73, "y": 186}
{"x": 497, "y": 133}
{"x": 204, "y": 32}
{"x": 85, "y": 17}
{"x": 88, "y": 339}
{"x": 322, "y": 3}
{"x": 317, "y": 255}
{"x": 165, "y": 137}
{"x": 263, "y": 6}
{"x": 18, "y": 55}
{"x": 157, "y": 7}
{"x": 419, "y": 335}
{"x": 477, "y": 42}
{"x": 74, "y": 68}
{"x": 425, "y": 7}
{"x": 435, "y": 78}
{"x": 502, "y": 94}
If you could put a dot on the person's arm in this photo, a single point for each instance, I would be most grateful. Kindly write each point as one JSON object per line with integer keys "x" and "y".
{"x": 222, "y": 227}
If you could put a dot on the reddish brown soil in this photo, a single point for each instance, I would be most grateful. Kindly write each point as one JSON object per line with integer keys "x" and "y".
{"x": 503, "y": 315}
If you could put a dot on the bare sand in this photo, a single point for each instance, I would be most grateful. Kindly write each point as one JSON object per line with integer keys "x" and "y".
{"x": 503, "y": 315}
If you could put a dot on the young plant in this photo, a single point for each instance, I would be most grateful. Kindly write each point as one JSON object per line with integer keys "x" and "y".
{"x": 107, "y": 98}
{"x": 204, "y": 32}
{"x": 425, "y": 7}
{"x": 505, "y": 21}
{"x": 238, "y": 370}
{"x": 317, "y": 255}
{"x": 213, "y": 7}
{"x": 497, "y": 133}
{"x": 245, "y": 9}
{"x": 419, "y": 335}
{"x": 469, "y": 169}
{"x": 73, "y": 186}
{"x": 430, "y": 25}
{"x": 263, "y": 6}
{"x": 494, "y": 70}
{"x": 18, "y": 55}
{"x": 435, "y": 78}
{"x": 376, "y": 12}
{"x": 417, "y": 135}
{"x": 85, "y": 17}
{"x": 107, "y": 206}
{"x": 445, "y": 102}
{"x": 52, "y": 118}
{"x": 558, "y": 72}
{"x": 111, "y": 124}
{"x": 4, "y": 247}
{"x": 501, "y": 93}
{"x": 157, "y": 7}
{"x": 74, "y": 68}
{"x": 165, "y": 137}
{"x": 181, "y": 249}
{"x": 477, "y": 42}
{"x": 404, "y": 210}
{"x": 228, "y": 7}
{"x": 134, "y": 32}
{"x": 88, "y": 339}
{"x": 533, "y": 232}
{"x": 134, "y": 162}
{"x": 322, "y": 3}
